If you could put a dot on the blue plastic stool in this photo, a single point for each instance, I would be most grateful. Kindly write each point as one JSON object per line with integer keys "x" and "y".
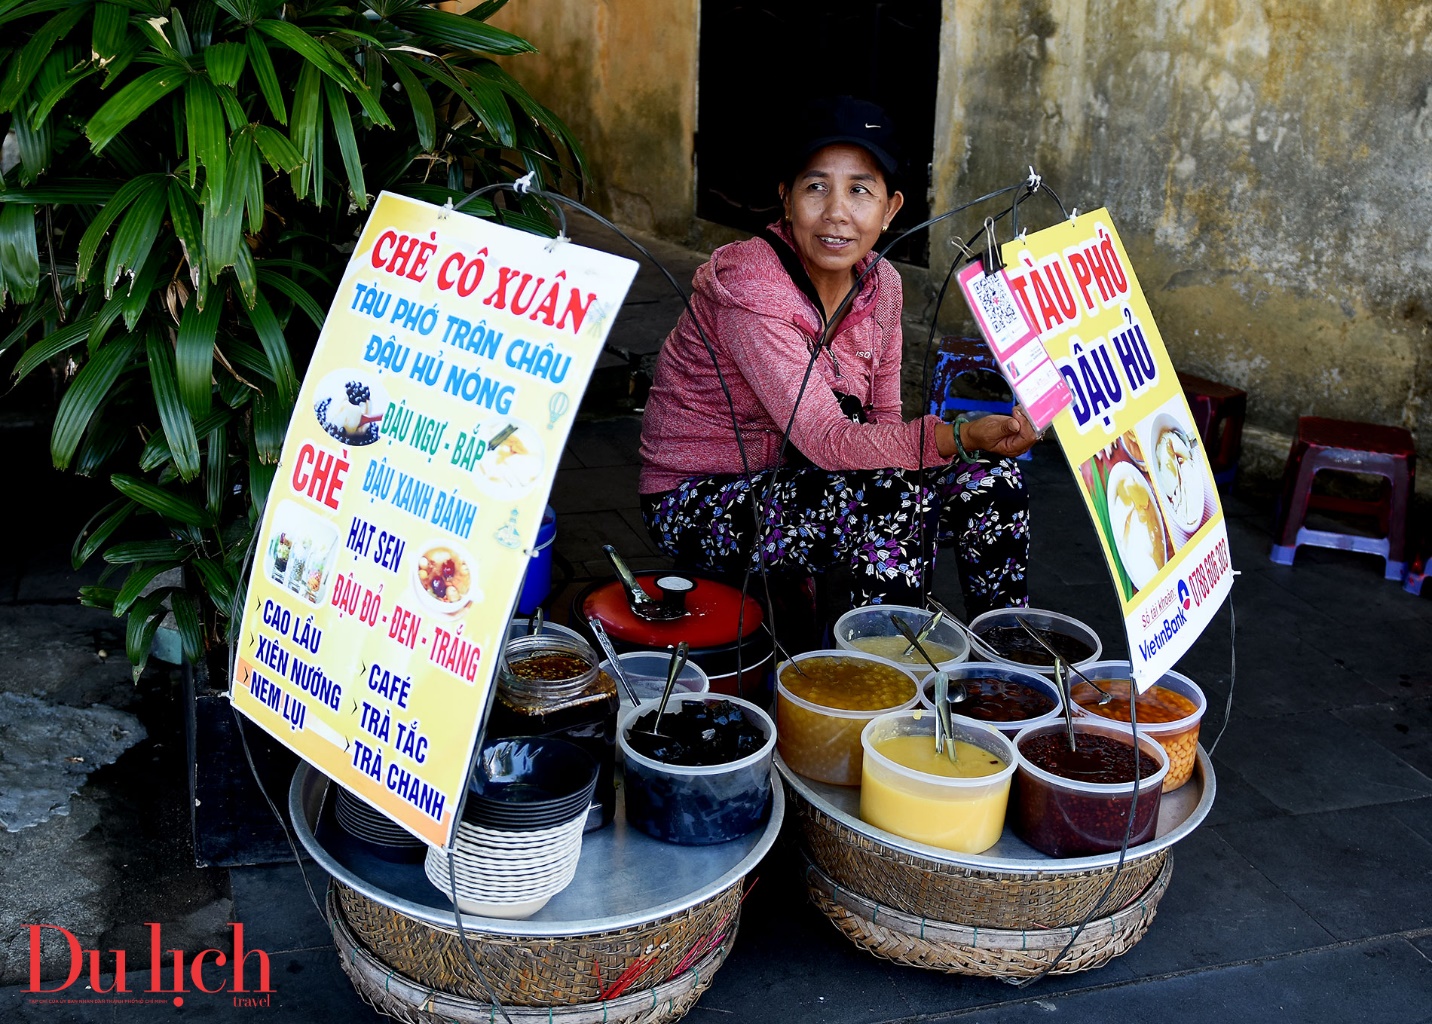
{"x": 959, "y": 358}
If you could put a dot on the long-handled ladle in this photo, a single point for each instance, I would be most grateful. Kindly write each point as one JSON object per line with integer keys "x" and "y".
{"x": 605, "y": 643}
{"x": 1062, "y": 681}
{"x": 1104, "y": 695}
{"x": 944, "y": 728}
{"x": 925, "y": 631}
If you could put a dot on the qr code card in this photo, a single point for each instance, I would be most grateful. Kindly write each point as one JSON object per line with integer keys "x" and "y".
{"x": 1002, "y": 320}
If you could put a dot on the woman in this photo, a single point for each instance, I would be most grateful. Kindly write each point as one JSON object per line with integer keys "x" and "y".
{"x": 850, "y": 494}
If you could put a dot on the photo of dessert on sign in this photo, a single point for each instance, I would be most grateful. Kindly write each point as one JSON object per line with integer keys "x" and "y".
{"x": 299, "y": 553}
{"x": 1179, "y": 468}
{"x": 350, "y": 405}
{"x": 513, "y": 459}
{"x": 1138, "y": 527}
{"x": 443, "y": 578}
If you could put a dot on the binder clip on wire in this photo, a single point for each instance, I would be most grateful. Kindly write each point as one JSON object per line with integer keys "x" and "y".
{"x": 993, "y": 260}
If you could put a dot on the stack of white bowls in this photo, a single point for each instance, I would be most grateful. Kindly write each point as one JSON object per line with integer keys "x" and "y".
{"x": 506, "y": 874}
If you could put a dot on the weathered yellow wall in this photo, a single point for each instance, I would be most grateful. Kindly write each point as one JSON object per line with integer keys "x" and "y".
{"x": 622, "y": 74}
{"x": 1267, "y": 165}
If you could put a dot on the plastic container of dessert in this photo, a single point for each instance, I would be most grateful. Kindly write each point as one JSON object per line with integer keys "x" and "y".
{"x": 908, "y": 789}
{"x": 697, "y": 805}
{"x": 869, "y": 629}
{"x": 646, "y": 671}
{"x": 819, "y": 715}
{"x": 1064, "y": 816}
{"x": 1170, "y": 711}
{"x": 1007, "y": 698}
{"x": 1008, "y": 644}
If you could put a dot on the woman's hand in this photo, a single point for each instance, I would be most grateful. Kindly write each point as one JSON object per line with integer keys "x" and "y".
{"x": 1007, "y": 436}
{"x": 1004, "y": 436}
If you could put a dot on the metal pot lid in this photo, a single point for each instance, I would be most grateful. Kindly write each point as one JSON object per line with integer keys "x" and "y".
{"x": 713, "y": 613}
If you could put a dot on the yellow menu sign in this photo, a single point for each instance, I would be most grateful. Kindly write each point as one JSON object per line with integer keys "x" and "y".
{"x": 1129, "y": 436}
{"x": 409, "y": 493}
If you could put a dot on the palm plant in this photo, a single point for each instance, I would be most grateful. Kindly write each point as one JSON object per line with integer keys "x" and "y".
{"x": 182, "y": 185}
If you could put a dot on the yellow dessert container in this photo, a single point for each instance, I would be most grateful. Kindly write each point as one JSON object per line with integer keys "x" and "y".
{"x": 820, "y": 741}
{"x": 961, "y": 814}
{"x": 1179, "y": 737}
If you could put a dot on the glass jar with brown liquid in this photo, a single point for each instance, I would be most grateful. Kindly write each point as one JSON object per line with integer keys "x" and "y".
{"x": 550, "y": 685}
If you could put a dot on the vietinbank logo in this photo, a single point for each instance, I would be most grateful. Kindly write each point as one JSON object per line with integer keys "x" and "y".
{"x": 243, "y": 976}
{"x": 1185, "y": 596}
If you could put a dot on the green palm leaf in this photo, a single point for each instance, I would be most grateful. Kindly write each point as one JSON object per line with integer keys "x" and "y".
{"x": 131, "y": 101}
{"x": 347, "y": 144}
{"x": 206, "y": 133}
{"x": 194, "y": 356}
{"x": 19, "y": 254}
{"x": 118, "y": 203}
{"x": 89, "y": 388}
{"x": 50, "y": 346}
{"x": 93, "y": 537}
{"x": 173, "y": 414}
{"x": 23, "y": 68}
{"x": 465, "y": 33}
{"x": 136, "y": 234}
{"x": 157, "y": 499}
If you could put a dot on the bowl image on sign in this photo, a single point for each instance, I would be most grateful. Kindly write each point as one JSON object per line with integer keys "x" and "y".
{"x": 1176, "y": 461}
{"x": 349, "y": 405}
{"x": 513, "y": 461}
{"x": 444, "y": 578}
{"x": 1139, "y": 535}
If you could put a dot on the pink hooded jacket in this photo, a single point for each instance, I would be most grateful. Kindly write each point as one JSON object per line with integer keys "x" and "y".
{"x": 758, "y": 322}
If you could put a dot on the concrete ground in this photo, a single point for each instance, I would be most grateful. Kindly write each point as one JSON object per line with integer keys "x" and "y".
{"x": 1305, "y": 896}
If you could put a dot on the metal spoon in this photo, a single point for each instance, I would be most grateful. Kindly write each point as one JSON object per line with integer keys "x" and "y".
{"x": 959, "y": 693}
{"x": 678, "y": 662}
{"x": 925, "y": 631}
{"x": 1104, "y": 695}
{"x": 970, "y": 635}
{"x": 605, "y": 643}
{"x": 535, "y": 624}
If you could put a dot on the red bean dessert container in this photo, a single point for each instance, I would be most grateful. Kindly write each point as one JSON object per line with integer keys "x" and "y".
{"x": 1074, "y": 804}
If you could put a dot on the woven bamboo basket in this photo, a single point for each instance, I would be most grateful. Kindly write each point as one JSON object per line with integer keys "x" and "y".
{"x": 979, "y": 897}
{"x": 404, "y": 999}
{"x": 536, "y": 971}
{"x": 987, "y": 952}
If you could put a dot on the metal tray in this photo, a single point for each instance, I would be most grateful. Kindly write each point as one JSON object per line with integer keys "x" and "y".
{"x": 624, "y": 879}
{"x": 1180, "y": 812}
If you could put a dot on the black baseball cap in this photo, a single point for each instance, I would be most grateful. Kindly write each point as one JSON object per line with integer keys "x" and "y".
{"x": 844, "y": 119}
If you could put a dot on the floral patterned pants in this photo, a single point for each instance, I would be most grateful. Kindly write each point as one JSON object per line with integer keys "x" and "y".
{"x": 878, "y": 524}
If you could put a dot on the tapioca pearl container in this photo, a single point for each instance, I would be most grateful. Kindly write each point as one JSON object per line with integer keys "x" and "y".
{"x": 971, "y": 670}
{"x": 1179, "y": 738}
{"x": 872, "y": 621}
{"x": 1039, "y": 618}
{"x": 821, "y": 742}
{"x": 697, "y": 805}
{"x": 1063, "y": 817}
{"x": 965, "y": 815}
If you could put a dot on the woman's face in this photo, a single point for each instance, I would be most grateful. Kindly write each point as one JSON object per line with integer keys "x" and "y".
{"x": 837, "y": 208}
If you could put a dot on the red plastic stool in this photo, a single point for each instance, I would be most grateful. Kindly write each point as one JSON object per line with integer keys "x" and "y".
{"x": 1218, "y": 411}
{"x": 1347, "y": 447}
{"x": 1416, "y": 573}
